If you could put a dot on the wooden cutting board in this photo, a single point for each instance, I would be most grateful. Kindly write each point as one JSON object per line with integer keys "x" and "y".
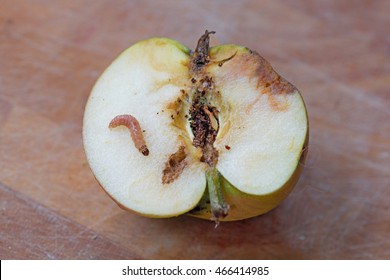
{"x": 337, "y": 53}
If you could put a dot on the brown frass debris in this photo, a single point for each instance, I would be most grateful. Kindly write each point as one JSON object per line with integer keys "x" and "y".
{"x": 203, "y": 115}
{"x": 174, "y": 166}
{"x": 203, "y": 130}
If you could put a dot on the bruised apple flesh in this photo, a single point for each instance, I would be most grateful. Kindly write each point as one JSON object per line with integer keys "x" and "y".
{"x": 215, "y": 133}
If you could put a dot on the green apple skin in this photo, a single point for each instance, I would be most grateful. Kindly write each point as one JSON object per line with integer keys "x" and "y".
{"x": 244, "y": 206}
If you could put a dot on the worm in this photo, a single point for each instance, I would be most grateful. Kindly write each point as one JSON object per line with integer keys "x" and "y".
{"x": 135, "y": 131}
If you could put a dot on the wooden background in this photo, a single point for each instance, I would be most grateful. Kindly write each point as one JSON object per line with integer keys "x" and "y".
{"x": 336, "y": 52}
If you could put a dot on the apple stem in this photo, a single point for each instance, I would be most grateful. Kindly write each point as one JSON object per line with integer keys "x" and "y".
{"x": 219, "y": 208}
{"x": 201, "y": 55}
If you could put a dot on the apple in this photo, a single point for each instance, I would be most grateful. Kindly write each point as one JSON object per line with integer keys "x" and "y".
{"x": 214, "y": 133}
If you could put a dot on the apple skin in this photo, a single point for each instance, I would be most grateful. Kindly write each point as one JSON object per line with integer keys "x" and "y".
{"x": 244, "y": 206}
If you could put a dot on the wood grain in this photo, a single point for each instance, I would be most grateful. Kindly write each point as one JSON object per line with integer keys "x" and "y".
{"x": 48, "y": 235}
{"x": 337, "y": 53}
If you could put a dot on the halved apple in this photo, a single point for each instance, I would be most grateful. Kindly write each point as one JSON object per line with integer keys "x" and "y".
{"x": 226, "y": 135}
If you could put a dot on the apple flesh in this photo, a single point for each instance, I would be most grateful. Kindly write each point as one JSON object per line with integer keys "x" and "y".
{"x": 226, "y": 135}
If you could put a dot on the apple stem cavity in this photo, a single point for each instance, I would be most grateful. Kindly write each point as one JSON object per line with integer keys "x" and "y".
{"x": 219, "y": 208}
{"x": 135, "y": 131}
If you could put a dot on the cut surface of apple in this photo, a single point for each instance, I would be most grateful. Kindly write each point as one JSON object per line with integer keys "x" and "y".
{"x": 226, "y": 135}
